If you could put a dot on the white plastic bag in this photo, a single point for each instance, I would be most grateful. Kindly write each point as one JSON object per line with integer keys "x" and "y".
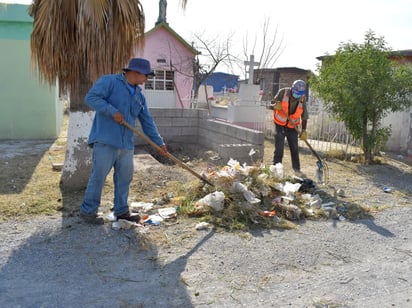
{"x": 214, "y": 200}
{"x": 247, "y": 194}
{"x": 277, "y": 170}
{"x": 291, "y": 188}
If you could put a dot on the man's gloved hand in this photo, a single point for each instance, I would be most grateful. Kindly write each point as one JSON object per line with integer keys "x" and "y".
{"x": 163, "y": 150}
{"x": 303, "y": 135}
{"x": 277, "y": 106}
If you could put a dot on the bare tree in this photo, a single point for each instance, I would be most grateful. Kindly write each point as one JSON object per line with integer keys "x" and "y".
{"x": 213, "y": 52}
{"x": 270, "y": 47}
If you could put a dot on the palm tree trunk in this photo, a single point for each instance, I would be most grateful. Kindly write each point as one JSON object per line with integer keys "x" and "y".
{"x": 77, "y": 162}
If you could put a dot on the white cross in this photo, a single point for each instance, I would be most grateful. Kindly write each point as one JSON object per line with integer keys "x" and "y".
{"x": 251, "y": 64}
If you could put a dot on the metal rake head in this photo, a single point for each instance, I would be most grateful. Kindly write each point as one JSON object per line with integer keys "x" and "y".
{"x": 322, "y": 172}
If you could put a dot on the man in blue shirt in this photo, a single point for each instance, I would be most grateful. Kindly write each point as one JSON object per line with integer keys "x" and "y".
{"x": 117, "y": 99}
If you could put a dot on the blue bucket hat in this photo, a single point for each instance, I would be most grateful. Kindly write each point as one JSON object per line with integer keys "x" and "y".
{"x": 139, "y": 65}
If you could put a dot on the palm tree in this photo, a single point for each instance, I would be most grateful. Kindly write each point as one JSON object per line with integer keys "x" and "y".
{"x": 73, "y": 43}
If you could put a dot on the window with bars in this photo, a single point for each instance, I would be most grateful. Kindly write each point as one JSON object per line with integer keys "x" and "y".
{"x": 163, "y": 81}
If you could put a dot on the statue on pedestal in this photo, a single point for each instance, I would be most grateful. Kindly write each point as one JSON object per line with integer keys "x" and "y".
{"x": 162, "y": 11}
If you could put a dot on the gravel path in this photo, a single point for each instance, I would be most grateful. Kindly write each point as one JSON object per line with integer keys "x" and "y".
{"x": 61, "y": 262}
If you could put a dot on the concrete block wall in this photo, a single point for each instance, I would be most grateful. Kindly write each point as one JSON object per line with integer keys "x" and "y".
{"x": 231, "y": 141}
{"x": 176, "y": 126}
{"x": 214, "y": 132}
{"x": 195, "y": 127}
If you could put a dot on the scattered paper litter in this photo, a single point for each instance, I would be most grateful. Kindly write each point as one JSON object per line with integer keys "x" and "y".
{"x": 155, "y": 218}
{"x": 167, "y": 212}
{"x": 145, "y": 206}
{"x": 202, "y": 226}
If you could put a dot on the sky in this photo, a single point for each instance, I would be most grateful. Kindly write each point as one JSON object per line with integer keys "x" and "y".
{"x": 305, "y": 29}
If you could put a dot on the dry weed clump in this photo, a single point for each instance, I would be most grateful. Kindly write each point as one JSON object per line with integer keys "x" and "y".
{"x": 336, "y": 154}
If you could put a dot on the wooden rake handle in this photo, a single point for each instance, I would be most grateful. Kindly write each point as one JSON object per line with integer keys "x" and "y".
{"x": 170, "y": 156}
{"x": 312, "y": 150}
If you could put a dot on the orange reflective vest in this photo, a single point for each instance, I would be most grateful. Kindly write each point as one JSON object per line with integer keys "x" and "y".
{"x": 281, "y": 117}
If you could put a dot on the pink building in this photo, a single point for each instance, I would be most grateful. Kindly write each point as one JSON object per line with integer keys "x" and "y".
{"x": 172, "y": 59}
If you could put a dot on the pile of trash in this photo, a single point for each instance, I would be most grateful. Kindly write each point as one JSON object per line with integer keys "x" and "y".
{"x": 259, "y": 196}
{"x": 242, "y": 197}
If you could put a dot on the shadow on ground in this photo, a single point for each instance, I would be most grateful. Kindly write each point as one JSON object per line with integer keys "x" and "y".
{"x": 390, "y": 176}
{"x": 70, "y": 264}
{"x": 26, "y": 155}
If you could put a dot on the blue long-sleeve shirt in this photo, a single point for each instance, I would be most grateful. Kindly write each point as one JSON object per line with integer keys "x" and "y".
{"x": 111, "y": 94}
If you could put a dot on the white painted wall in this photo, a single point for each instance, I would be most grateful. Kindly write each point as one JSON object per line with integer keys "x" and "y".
{"x": 400, "y": 123}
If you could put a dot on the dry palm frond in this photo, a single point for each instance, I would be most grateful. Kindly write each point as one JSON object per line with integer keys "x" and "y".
{"x": 80, "y": 40}
{"x": 95, "y": 9}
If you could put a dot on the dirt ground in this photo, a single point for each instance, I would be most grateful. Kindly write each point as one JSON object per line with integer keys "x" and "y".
{"x": 55, "y": 260}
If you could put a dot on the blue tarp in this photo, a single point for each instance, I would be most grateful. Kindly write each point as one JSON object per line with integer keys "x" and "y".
{"x": 222, "y": 81}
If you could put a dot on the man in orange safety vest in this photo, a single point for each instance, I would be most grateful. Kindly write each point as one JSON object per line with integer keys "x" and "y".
{"x": 289, "y": 112}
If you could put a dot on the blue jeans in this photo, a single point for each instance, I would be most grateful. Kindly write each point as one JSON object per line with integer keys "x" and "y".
{"x": 106, "y": 157}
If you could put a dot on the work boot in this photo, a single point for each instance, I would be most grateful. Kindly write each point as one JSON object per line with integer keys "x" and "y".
{"x": 127, "y": 216}
{"x": 92, "y": 219}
